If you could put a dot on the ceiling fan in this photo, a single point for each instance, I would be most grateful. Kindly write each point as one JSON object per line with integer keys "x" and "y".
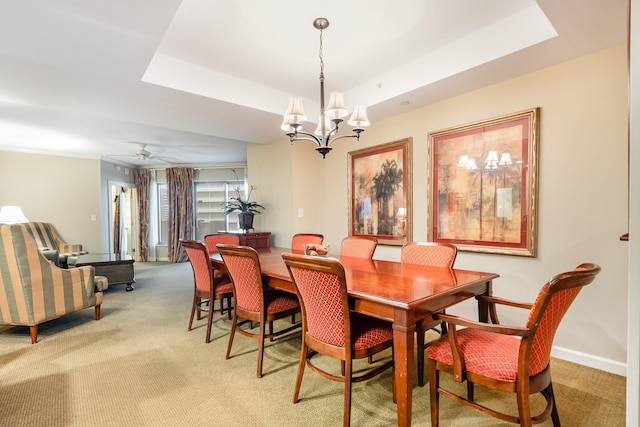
{"x": 144, "y": 154}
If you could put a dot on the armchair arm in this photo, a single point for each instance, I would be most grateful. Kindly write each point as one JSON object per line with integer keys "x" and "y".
{"x": 490, "y": 302}
{"x": 452, "y": 321}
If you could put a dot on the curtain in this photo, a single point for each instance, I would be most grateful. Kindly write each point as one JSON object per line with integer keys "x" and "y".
{"x": 180, "y": 181}
{"x": 142, "y": 179}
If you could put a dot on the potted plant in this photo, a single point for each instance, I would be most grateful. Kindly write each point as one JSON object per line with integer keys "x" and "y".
{"x": 245, "y": 208}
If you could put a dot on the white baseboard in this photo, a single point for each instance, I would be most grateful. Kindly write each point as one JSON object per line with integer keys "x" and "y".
{"x": 590, "y": 360}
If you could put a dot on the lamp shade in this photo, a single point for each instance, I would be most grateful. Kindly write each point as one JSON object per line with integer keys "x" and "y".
{"x": 337, "y": 108}
{"x": 359, "y": 117}
{"x": 12, "y": 215}
{"x": 327, "y": 126}
{"x": 295, "y": 111}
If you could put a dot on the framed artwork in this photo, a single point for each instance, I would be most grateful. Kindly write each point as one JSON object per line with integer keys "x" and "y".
{"x": 483, "y": 182}
{"x": 380, "y": 192}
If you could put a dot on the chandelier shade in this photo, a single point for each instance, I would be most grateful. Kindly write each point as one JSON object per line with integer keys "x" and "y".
{"x": 330, "y": 118}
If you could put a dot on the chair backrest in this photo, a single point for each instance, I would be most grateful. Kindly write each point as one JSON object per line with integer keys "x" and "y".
{"x": 211, "y": 240}
{"x": 198, "y": 255}
{"x": 429, "y": 253}
{"x": 243, "y": 265}
{"x": 549, "y": 308}
{"x": 301, "y": 238}
{"x": 321, "y": 287}
{"x": 358, "y": 247}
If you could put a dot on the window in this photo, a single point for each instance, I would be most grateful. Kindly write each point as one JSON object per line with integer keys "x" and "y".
{"x": 163, "y": 213}
{"x": 212, "y": 190}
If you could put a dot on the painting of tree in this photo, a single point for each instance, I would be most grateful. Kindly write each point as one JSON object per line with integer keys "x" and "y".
{"x": 380, "y": 188}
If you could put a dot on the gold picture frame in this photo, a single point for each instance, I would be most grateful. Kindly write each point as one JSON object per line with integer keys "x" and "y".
{"x": 483, "y": 181}
{"x": 380, "y": 190}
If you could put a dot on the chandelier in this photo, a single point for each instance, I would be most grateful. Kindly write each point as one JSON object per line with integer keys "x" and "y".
{"x": 330, "y": 119}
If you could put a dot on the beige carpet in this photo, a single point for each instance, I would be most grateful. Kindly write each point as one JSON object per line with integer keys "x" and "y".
{"x": 138, "y": 366}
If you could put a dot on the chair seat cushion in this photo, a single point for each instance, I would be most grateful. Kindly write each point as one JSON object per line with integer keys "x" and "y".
{"x": 485, "y": 353}
{"x": 367, "y": 331}
{"x": 223, "y": 288}
{"x": 278, "y": 302}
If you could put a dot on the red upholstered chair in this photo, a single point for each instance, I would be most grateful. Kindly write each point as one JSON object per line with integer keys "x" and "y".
{"x": 254, "y": 301}
{"x": 507, "y": 358}
{"x": 433, "y": 255}
{"x": 358, "y": 247}
{"x": 207, "y": 289}
{"x": 211, "y": 240}
{"x": 330, "y": 328}
{"x": 301, "y": 238}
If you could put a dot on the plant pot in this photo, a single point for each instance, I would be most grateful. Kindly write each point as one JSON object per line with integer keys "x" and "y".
{"x": 245, "y": 220}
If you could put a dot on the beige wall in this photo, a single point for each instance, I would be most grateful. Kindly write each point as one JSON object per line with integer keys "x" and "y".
{"x": 582, "y": 191}
{"x": 61, "y": 190}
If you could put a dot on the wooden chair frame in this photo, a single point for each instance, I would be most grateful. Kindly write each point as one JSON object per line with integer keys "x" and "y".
{"x": 204, "y": 301}
{"x": 262, "y": 317}
{"x": 525, "y": 384}
{"x": 312, "y": 346}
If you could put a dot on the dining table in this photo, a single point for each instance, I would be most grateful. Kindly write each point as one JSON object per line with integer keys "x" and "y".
{"x": 400, "y": 293}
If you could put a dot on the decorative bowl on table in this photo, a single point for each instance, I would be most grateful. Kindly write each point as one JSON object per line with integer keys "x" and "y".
{"x": 315, "y": 249}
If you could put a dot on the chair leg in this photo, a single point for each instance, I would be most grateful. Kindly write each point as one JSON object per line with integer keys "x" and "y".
{"x": 270, "y": 331}
{"x": 228, "y": 307}
{"x": 209, "y": 321}
{"x": 231, "y": 334}
{"x": 98, "y": 312}
{"x": 261, "y": 347}
{"x": 420, "y": 344}
{"x": 198, "y": 313}
{"x": 347, "y": 393}
{"x": 434, "y": 397}
{"x": 193, "y": 312}
{"x": 303, "y": 358}
{"x": 524, "y": 409}
{"x": 548, "y": 394}
{"x": 33, "y": 331}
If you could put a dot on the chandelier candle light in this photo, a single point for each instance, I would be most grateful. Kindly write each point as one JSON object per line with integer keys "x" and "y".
{"x": 330, "y": 119}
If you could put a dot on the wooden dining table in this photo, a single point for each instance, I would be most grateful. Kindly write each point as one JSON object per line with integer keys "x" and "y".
{"x": 402, "y": 294}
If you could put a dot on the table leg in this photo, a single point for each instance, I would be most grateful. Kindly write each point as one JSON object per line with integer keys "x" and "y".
{"x": 403, "y": 342}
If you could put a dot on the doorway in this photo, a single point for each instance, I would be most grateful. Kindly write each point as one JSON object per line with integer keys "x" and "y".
{"x": 123, "y": 221}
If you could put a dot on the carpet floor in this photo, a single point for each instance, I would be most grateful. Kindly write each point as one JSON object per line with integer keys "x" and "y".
{"x": 139, "y": 366}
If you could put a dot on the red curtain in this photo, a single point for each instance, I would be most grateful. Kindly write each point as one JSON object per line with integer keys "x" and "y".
{"x": 142, "y": 179}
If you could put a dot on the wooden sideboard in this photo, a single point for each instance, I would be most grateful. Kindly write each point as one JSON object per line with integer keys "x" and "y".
{"x": 256, "y": 240}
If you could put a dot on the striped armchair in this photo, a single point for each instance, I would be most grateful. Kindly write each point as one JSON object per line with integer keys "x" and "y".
{"x": 34, "y": 290}
{"x": 47, "y": 238}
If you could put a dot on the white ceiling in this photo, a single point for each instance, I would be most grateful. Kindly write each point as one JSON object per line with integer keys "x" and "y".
{"x": 197, "y": 79}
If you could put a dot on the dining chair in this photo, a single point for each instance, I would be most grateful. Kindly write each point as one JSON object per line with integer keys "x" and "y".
{"x": 512, "y": 359}
{"x": 433, "y": 255}
{"x": 330, "y": 328}
{"x": 358, "y": 247}
{"x": 298, "y": 240}
{"x": 207, "y": 288}
{"x": 254, "y": 301}
{"x": 211, "y": 240}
